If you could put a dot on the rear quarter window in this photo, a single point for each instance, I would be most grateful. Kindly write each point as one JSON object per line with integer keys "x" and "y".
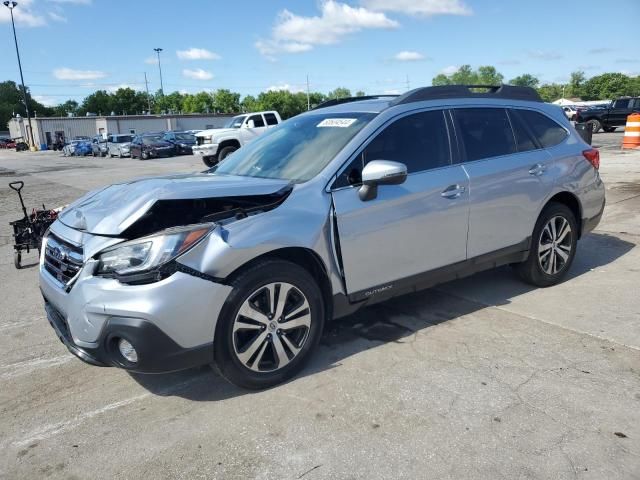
{"x": 547, "y": 132}
{"x": 271, "y": 119}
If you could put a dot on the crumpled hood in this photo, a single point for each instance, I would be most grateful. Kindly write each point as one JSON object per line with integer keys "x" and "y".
{"x": 113, "y": 209}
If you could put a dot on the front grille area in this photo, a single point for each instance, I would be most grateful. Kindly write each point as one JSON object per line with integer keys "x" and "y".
{"x": 199, "y": 140}
{"x": 62, "y": 259}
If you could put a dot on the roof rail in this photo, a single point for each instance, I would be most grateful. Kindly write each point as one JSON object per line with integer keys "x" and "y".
{"x": 339, "y": 101}
{"x": 510, "y": 92}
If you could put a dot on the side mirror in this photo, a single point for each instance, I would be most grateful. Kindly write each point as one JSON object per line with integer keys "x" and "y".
{"x": 251, "y": 124}
{"x": 380, "y": 172}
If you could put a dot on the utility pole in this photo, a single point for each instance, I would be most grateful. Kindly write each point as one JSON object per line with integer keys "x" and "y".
{"x": 11, "y": 5}
{"x": 158, "y": 50}
{"x": 146, "y": 84}
{"x": 308, "y": 98}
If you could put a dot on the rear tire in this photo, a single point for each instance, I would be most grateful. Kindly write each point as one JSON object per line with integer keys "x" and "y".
{"x": 225, "y": 152}
{"x": 260, "y": 350}
{"x": 595, "y": 125}
{"x": 553, "y": 247}
{"x": 17, "y": 260}
{"x": 144, "y": 156}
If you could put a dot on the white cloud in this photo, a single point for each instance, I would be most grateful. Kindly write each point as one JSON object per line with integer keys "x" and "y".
{"x": 545, "y": 55}
{"x": 57, "y": 18}
{"x": 46, "y": 101}
{"x": 419, "y": 7}
{"x": 197, "y": 74}
{"x": 294, "y": 33}
{"x": 284, "y": 87}
{"x": 115, "y": 88}
{"x": 450, "y": 70}
{"x": 70, "y": 74}
{"x": 23, "y": 15}
{"x": 197, "y": 54}
{"x": 151, "y": 60}
{"x": 408, "y": 56}
{"x": 393, "y": 91}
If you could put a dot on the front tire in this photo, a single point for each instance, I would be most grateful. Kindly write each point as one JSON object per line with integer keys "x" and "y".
{"x": 210, "y": 161}
{"x": 144, "y": 156}
{"x": 553, "y": 247}
{"x": 269, "y": 325}
{"x": 225, "y": 152}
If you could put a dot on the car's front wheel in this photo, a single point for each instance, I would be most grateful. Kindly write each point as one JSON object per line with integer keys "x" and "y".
{"x": 553, "y": 247}
{"x": 225, "y": 152}
{"x": 269, "y": 325}
{"x": 210, "y": 161}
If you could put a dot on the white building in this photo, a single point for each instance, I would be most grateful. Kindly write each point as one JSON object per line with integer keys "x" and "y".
{"x": 47, "y": 129}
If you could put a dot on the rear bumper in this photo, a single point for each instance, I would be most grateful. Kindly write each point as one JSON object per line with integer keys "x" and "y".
{"x": 157, "y": 352}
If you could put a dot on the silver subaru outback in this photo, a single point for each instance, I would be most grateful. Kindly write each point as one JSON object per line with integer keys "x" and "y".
{"x": 350, "y": 204}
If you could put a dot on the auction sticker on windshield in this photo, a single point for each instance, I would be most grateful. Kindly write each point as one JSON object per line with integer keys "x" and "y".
{"x": 336, "y": 122}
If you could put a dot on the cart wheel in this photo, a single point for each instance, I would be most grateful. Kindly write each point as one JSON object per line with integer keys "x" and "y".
{"x": 17, "y": 260}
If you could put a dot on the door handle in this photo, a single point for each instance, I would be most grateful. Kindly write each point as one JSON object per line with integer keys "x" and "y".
{"x": 537, "y": 170}
{"x": 453, "y": 191}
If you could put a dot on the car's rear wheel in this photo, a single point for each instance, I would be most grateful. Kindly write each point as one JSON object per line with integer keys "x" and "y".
{"x": 225, "y": 152}
{"x": 553, "y": 247}
{"x": 595, "y": 125}
{"x": 17, "y": 260}
{"x": 269, "y": 325}
{"x": 144, "y": 156}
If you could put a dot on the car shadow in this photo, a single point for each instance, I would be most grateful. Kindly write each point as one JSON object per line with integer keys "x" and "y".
{"x": 395, "y": 320}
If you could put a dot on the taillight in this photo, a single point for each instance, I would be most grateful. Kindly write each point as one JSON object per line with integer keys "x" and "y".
{"x": 593, "y": 156}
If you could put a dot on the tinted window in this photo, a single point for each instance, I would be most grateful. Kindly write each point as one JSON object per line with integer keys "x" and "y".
{"x": 420, "y": 141}
{"x": 523, "y": 139}
{"x": 548, "y": 132}
{"x": 271, "y": 119}
{"x": 257, "y": 120}
{"x": 622, "y": 103}
{"x": 485, "y": 132}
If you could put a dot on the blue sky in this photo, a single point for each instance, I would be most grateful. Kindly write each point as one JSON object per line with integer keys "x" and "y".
{"x": 70, "y": 48}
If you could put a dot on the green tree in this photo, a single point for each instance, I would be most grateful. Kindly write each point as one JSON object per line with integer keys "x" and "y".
{"x": 171, "y": 103}
{"x": 11, "y": 102}
{"x": 576, "y": 83}
{"x": 550, "y": 92}
{"x": 128, "y": 101}
{"x": 609, "y": 86}
{"x": 440, "y": 80}
{"x": 525, "y": 80}
{"x": 488, "y": 75}
{"x": 201, "y": 102}
{"x": 226, "y": 101}
{"x": 360, "y": 93}
{"x": 339, "y": 92}
{"x": 99, "y": 102}
{"x": 62, "y": 110}
{"x": 285, "y": 102}
{"x": 316, "y": 98}
{"x": 250, "y": 104}
{"x": 465, "y": 75}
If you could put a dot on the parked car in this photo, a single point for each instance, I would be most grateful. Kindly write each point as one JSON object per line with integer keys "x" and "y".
{"x": 7, "y": 143}
{"x": 69, "y": 149}
{"x": 608, "y": 118}
{"x": 118, "y": 145}
{"x": 338, "y": 208}
{"x": 570, "y": 111}
{"x": 151, "y": 146}
{"x": 183, "y": 142}
{"x": 83, "y": 149}
{"x": 216, "y": 144}
{"x": 99, "y": 146}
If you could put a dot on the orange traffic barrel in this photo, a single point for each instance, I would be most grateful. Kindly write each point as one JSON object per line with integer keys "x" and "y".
{"x": 632, "y": 132}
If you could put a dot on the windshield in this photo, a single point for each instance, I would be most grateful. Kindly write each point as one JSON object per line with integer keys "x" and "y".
{"x": 296, "y": 150}
{"x": 235, "y": 122}
{"x": 185, "y": 137}
{"x": 151, "y": 139}
{"x": 122, "y": 139}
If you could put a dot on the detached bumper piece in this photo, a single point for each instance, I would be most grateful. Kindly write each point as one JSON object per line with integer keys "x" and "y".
{"x": 156, "y": 351}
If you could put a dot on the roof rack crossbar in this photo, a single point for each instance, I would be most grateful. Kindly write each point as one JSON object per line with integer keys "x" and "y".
{"x": 510, "y": 92}
{"x": 340, "y": 101}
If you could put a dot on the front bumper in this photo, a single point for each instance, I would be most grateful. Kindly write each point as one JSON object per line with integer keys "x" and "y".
{"x": 170, "y": 323}
{"x": 206, "y": 150}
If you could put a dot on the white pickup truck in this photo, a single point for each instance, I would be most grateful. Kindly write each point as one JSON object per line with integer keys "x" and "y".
{"x": 216, "y": 144}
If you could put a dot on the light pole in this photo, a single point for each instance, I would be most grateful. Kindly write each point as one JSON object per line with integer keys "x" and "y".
{"x": 158, "y": 50}
{"x": 11, "y": 5}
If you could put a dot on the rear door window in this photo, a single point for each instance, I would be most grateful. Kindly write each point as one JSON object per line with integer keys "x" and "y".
{"x": 419, "y": 141}
{"x": 547, "y": 132}
{"x": 485, "y": 132}
{"x": 524, "y": 140}
{"x": 271, "y": 119}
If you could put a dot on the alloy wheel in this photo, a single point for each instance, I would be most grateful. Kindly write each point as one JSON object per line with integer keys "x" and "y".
{"x": 554, "y": 247}
{"x": 271, "y": 327}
